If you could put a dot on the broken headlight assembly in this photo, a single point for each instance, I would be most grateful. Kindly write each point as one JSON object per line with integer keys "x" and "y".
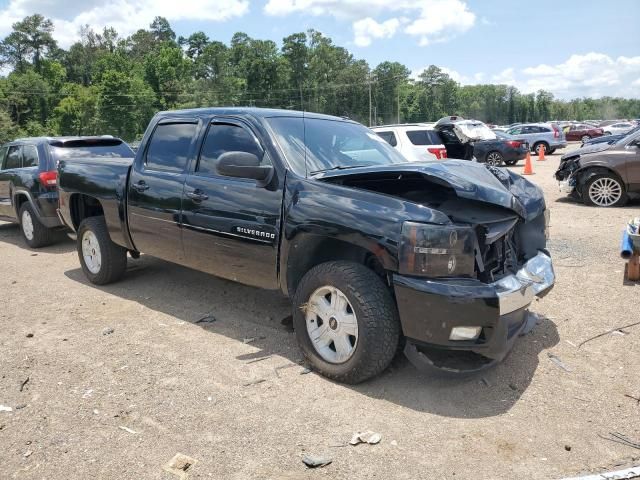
{"x": 437, "y": 250}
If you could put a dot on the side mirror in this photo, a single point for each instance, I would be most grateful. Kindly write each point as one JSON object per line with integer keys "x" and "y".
{"x": 244, "y": 165}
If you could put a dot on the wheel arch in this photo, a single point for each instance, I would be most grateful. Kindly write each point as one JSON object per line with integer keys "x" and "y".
{"x": 83, "y": 206}
{"x": 307, "y": 251}
{"x": 19, "y": 198}
{"x": 583, "y": 175}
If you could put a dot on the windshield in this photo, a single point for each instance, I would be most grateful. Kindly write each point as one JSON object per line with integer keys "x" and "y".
{"x": 330, "y": 145}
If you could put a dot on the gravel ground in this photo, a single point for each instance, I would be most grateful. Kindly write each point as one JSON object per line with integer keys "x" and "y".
{"x": 233, "y": 394}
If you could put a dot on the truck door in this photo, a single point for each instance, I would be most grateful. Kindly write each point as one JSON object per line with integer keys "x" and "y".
{"x": 11, "y": 159}
{"x": 231, "y": 225}
{"x": 155, "y": 189}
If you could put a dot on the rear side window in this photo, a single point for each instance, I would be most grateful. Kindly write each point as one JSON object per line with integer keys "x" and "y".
{"x": 388, "y": 137}
{"x": 169, "y": 147}
{"x": 223, "y": 138}
{"x": 29, "y": 156}
{"x": 13, "y": 158}
{"x": 424, "y": 137}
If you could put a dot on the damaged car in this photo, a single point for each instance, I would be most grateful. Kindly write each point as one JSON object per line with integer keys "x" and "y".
{"x": 443, "y": 258}
{"x": 604, "y": 174}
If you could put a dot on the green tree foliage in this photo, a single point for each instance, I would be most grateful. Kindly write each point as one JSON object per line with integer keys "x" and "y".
{"x": 107, "y": 84}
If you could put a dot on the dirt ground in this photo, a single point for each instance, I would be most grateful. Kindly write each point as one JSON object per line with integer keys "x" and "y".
{"x": 232, "y": 394}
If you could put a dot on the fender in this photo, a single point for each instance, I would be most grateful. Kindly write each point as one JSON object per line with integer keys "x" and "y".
{"x": 22, "y": 191}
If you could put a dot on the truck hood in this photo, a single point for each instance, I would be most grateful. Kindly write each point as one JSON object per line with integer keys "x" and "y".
{"x": 469, "y": 180}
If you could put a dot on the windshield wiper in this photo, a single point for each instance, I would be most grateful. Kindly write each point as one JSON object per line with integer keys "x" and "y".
{"x": 337, "y": 167}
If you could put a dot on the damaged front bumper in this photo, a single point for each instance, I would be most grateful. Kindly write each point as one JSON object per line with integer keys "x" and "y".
{"x": 431, "y": 309}
{"x": 567, "y": 186}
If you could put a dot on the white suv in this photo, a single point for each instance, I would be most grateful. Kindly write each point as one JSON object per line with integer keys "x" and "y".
{"x": 418, "y": 142}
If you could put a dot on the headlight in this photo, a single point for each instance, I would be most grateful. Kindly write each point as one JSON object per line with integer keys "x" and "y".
{"x": 437, "y": 250}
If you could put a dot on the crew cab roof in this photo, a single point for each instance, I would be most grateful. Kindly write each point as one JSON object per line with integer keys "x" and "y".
{"x": 247, "y": 112}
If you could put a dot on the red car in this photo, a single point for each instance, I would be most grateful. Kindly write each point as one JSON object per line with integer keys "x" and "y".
{"x": 583, "y": 132}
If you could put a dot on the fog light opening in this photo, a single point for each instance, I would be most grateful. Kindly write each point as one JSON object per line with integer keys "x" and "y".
{"x": 465, "y": 333}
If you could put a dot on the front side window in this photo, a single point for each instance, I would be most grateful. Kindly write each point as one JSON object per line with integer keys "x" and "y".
{"x": 13, "y": 159}
{"x": 169, "y": 147}
{"x": 29, "y": 156}
{"x": 223, "y": 138}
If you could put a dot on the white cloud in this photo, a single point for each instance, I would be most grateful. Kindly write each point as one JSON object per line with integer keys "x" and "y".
{"x": 589, "y": 75}
{"x": 126, "y": 16}
{"x": 367, "y": 29}
{"x": 430, "y": 21}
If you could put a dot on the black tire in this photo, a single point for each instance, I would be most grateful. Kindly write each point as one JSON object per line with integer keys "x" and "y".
{"x": 586, "y": 187}
{"x": 41, "y": 236}
{"x": 376, "y": 314}
{"x": 494, "y": 158}
{"x": 113, "y": 257}
{"x": 511, "y": 162}
{"x": 537, "y": 145}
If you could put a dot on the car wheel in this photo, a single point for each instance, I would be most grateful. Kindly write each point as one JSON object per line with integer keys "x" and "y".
{"x": 346, "y": 321}
{"x": 539, "y": 145}
{"x": 494, "y": 158}
{"x": 102, "y": 260}
{"x": 34, "y": 233}
{"x": 604, "y": 190}
{"x": 585, "y": 138}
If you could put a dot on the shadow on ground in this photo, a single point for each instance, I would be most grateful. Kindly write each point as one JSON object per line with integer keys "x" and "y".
{"x": 242, "y": 311}
{"x": 10, "y": 233}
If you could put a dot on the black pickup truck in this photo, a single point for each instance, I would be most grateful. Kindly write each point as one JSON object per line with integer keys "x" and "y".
{"x": 374, "y": 252}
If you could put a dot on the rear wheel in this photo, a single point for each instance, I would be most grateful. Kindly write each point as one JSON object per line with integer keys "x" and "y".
{"x": 604, "y": 190}
{"x": 35, "y": 233}
{"x": 538, "y": 146}
{"x": 585, "y": 138}
{"x": 494, "y": 158}
{"x": 346, "y": 321}
{"x": 102, "y": 260}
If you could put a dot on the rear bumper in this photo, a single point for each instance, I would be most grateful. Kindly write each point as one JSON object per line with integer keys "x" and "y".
{"x": 430, "y": 309}
{"x": 47, "y": 205}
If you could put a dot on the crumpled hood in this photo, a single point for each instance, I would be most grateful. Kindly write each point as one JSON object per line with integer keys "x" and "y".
{"x": 595, "y": 148}
{"x": 469, "y": 180}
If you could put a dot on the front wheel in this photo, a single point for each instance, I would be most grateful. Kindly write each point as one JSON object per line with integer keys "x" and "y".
{"x": 604, "y": 190}
{"x": 585, "y": 138}
{"x": 102, "y": 260}
{"x": 494, "y": 158}
{"x": 346, "y": 321}
{"x": 34, "y": 233}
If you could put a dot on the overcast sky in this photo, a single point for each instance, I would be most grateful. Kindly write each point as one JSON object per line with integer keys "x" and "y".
{"x": 572, "y": 48}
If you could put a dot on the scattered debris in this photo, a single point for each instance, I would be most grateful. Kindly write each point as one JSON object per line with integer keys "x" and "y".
{"x": 259, "y": 359}
{"x": 96, "y": 411}
{"x": 249, "y": 340}
{"x": 627, "y": 473}
{"x": 255, "y": 382}
{"x": 108, "y": 331}
{"x": 571, "y": 343}
{"x": 27, "y": 454}
{"x": 21, "y": 406}
{"x": 620, "y": 438}
{"x": 621, "y": 333}
{"x": 22, "y": 385}
{"x": 558, "y": 362}
{"x": 5, "y": 409}
{"x": 485, "y": 381}
{"x": 513, "y": 387}
{"x": 127, "y": 429}
{"x": 567, "y": 448}
{"x": 637, "y": 399}
{"x": 29, "y": 335}
{"x": 394, "y": 443}
{"x": 34, "y": 254}
{"x": 608, "y": 332}
{"x": 305, "y": 371}
{"x": 207, "y": 319}
{"x": 179, "y": 465}
{"x": 314, "y": 461}
{"x": 369, "y": 437}
{"x": 87, "y": 394}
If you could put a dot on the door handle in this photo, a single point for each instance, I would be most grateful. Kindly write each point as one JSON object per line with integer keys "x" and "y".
{"x": 141, "y": 186}
{"x": 197, "y": 195}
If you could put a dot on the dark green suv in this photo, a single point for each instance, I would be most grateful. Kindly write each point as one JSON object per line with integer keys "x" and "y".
{"x": 28, "y": 179}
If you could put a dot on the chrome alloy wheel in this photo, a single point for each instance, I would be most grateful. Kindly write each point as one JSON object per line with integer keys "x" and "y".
{"x": 605, "y": 192}
{"x": 331, "y": 324}
{"x": 495, "y": 159}
{"x": 91, "y": 252}
{"x": 27, "y": 224}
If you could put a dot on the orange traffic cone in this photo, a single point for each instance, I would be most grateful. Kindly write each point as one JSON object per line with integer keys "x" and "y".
{"x": 541, "y": 153}
{"x": 528, "y": 169}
